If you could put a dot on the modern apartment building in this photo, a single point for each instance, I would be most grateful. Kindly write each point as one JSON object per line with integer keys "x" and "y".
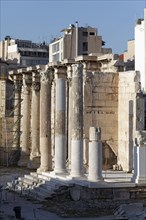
{"x": 140, "y": 49}
{"x": 129, "y": 54}
{"x": 23, "y": 52}
{"x": 76, "y": 41}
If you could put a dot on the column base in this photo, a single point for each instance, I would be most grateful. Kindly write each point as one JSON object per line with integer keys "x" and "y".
{"x": 60, "y": 172}
{"x": 34, "y": 163}
{"x": 76, "y": 175}
{"x": 140, "y": 180}
{"x": 99, "y": 179}
{"x": 140, "y": 165}
{"x": 24, "y": 159}
{"x": 43, "y": 169}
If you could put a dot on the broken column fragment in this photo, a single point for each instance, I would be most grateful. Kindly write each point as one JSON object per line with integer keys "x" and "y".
{"x": 95, "y": 155}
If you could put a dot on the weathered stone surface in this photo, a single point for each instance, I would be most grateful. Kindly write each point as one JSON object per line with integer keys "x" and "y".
{"x": 129, "y": 85}
{"x": 77, "y": 121}
{"x": 60, "y": 123}
{"x": 75, "y": 194}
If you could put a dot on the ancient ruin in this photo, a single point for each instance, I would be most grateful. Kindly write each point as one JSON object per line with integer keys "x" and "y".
{"x": 56, "y": 104}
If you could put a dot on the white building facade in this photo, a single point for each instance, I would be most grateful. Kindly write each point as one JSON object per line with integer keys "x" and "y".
{"x": 140, "y": 49}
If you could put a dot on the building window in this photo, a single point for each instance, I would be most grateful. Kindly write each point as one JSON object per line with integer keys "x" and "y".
{"x": 85, "y": 46}
{"x": 92, "y": 33}
{"x": 55, "y": 47}
{"x": 56, "y": 57}
{"x": 85, "y": 34}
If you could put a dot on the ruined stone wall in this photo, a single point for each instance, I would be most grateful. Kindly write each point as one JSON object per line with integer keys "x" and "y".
{"x": 129, "y": 116}
{"x": 101, "y": 110}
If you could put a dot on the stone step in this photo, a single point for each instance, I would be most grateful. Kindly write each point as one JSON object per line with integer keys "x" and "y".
{"x": 40, "y": 195}
{"x": 43, "y": 177}
{"x": 26, "y": 182}
{"x": 35, "y": 174}
{"x": 33, "y": 178}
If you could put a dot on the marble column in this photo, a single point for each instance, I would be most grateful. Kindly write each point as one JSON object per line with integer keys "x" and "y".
{"x": 26, "y": 113}
{"x": 45, "y": 121}
{"x": 140, "y": 170}
{"x": 17, "y": 111}
{"x": 95, "y": 155}
{"x": 69, "y": 78}
{"x": 139, "y": 176}
{"x": 77, "y": 121}
{"x": 60, "y": 110}
{"x": 86, "y": 152}
{"x": 35, "y": 122}
{"x": 53, "y": 122}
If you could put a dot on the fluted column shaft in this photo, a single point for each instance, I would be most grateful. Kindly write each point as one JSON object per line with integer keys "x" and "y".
{"x": 77, "y": 121}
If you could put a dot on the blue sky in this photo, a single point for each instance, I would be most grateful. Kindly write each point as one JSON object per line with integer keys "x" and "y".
{"x": 40, "y": 20}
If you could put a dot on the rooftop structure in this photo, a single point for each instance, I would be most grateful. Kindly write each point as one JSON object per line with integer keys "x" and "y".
{"x": 77, "y": 41}
{"x": 23, "y": 52}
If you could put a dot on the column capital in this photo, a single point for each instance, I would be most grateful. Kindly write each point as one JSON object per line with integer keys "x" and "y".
{"x": 90, "y": 66}
{"x": 69, "y": 71}
{"x": 46, "y": 76}
{"x": 94, "y": 134}
{"x": 69, "y": 74}
{"x": 27, "y": 82}
{"x": 36, "y": 86}
{"x": 17, "y": 79}
{"x": 36, "y": 81}
{"x": 77, "y": 70}
{"x": 60, "y": 72}
{"x": 35, "y": 76}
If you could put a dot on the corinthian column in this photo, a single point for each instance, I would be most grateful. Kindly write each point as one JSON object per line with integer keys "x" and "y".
{"x": 35, "y": 122}
{"x": 69, "y": 76}
{"x": 77, "y": 122}
{"x": 17, "y": 111}
{"x": 25, "y": 149}
{"x": 45, "y": 121}
{"x": 60, "y": 110}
